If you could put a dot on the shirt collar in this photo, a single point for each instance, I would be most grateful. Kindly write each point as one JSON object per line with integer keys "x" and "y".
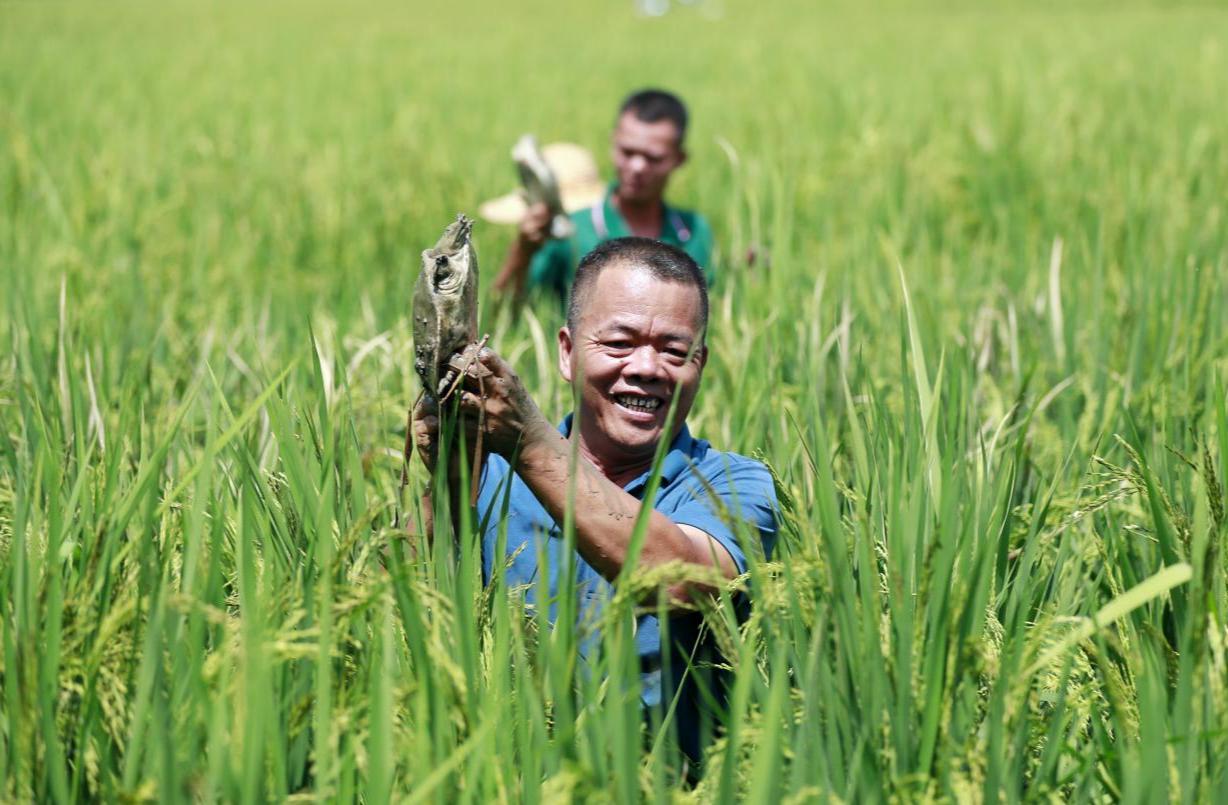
{"x": 676, "y": 460}
{"x": 672, "y": 228}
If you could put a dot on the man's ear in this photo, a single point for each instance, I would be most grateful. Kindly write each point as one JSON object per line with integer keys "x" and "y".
{"x": 565, "y": 347}
{"x": 701, "y": 357}
{"x": 682, "y": 157}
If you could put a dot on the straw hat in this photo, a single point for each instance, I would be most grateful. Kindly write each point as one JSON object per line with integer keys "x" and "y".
{"x": 574, "y": 169}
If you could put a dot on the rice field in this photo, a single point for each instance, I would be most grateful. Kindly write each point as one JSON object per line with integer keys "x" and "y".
{"x": 983, "y": 345}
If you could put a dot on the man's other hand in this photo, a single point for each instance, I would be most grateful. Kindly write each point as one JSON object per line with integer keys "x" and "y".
{"x": 426, "y": 431}
{"x": 535, "y": 226}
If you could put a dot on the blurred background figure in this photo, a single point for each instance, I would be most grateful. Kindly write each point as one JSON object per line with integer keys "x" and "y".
{"x": 659, "y": 8}
{"x": 647, "y": 146}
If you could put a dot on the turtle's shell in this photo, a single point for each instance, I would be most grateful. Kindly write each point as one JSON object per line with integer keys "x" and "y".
{"x": 445, "y": 307}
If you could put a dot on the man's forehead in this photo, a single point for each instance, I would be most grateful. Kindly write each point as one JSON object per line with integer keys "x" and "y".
{"x": 628, "y": 281}
{"x": 631, "y": 130}
{"x": 632, "y": 297}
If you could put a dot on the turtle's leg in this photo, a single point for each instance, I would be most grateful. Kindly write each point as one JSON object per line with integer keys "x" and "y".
{"x": 476, "y": 479}
{"x": 406, "y": 456}
{"x": 447, "y": 384}
{"x": 459, "y": 366}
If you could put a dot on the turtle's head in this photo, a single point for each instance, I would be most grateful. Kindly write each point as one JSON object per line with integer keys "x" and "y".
{"x": 456, "y": 236}
{"x": 449, "y": 263}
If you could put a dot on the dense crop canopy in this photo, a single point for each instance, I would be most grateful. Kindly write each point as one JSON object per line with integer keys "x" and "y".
{"x": 972, "y": 311}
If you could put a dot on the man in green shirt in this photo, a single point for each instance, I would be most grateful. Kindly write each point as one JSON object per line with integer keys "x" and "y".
{"x": 647, "y": 147}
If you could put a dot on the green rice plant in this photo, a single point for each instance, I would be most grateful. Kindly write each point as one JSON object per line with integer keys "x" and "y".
{"x": 971, "y": 312}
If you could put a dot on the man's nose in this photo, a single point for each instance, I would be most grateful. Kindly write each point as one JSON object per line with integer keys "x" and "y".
{"x": 645, "y": 363}
{"x": 637, "y": 164}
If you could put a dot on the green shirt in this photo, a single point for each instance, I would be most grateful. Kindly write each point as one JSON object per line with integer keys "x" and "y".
{"x": 554, "y": 265}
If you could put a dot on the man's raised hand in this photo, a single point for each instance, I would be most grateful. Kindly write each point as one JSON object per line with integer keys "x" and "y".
{"x": 495, "y": 399}
{"x": 535, "y": 226}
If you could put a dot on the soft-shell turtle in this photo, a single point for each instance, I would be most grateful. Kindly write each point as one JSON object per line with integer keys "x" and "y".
{"x": 445, "y": 324}
{"x": 445, "y": 307}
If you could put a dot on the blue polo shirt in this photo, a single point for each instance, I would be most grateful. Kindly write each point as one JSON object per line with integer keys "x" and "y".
{"x": 728, "y": 496}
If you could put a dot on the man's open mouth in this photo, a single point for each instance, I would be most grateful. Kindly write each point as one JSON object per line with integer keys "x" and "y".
{"x": 634, "y": 402}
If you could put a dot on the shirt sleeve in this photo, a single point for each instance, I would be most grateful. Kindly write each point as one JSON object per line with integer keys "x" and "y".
{"x": 550, "y": 266}
{"x": 735, "y": 503}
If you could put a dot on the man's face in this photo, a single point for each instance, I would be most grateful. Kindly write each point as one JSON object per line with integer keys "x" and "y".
{"x": 630, "y": 355}
{"x": 644, "y": 154}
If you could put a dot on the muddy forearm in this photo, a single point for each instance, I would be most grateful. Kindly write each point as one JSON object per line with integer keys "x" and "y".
{"x": 604, "y": 514}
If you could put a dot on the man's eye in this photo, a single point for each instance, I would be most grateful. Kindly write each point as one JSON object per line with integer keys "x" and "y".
{"x": 618, "y": 344}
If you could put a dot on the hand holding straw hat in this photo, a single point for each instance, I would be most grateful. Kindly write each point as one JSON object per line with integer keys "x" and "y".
{"x": 563, "y": 176}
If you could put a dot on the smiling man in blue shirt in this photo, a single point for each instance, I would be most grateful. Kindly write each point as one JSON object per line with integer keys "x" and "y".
{"x": 632, "y": 347}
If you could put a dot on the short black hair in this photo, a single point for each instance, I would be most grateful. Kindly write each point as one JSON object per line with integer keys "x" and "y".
{"x": 661, "y": 260}
{"x": 652, "y": 105}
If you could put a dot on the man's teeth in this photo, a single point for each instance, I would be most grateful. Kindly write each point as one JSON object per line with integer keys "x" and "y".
{"x": 645, "y": 404}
